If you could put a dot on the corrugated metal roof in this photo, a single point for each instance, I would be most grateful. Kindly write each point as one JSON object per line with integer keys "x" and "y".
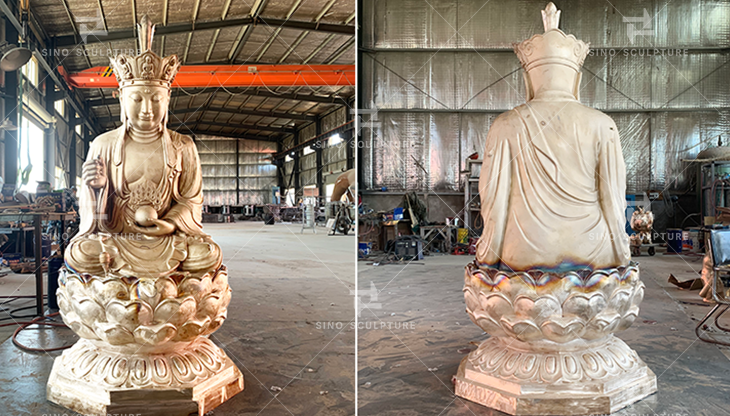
{"x": 266, "y": 43}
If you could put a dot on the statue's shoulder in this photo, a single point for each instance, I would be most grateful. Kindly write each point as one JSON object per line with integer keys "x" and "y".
{"x": 509, "y": 119}
{"x": 597, "y": 117}
{"x": 181, "y": 141}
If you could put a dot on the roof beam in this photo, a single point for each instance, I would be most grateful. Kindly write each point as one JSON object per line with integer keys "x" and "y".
{"x": 96, "y": 102}
{"x": 287, "y": 130}
{"x": 245, "y": 33}
{"x": 199, "y": 132}
{"x": 125, "y": 34}
{"x": 248, "y": 112}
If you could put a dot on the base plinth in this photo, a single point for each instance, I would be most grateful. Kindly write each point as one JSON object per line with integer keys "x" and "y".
{"x": 594, "y": 380}
{"x": 96, "y": 381}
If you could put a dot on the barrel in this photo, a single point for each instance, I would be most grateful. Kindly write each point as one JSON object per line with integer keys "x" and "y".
{"x": 674, "y": 240}
{"x": 462, "y": 235}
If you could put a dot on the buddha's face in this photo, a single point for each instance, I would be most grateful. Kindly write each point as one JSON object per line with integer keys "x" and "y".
{"x": 145, "y": 106}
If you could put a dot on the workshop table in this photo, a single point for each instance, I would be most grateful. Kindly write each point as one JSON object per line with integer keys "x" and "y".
{"x": 429, "y": 232}
{"x": 38, "y": 218}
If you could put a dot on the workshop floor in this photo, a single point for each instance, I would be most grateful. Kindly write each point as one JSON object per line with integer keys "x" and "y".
{"x": 288, "y": 326}
{"x": 416, "y": 332}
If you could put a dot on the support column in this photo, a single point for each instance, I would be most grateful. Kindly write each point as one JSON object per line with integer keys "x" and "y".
{"x": 318, "y": 149}
{"x": 280, "y": 169}
{"x": 238, "y": 174}
{"x": 11, "y": 113}
{"x": 298, "y": 191}
{"x": 350, "y": 143}
{"x": 72, "y": 159}
{"x": 50, "y": 135}
{"x": 86, "y": 139}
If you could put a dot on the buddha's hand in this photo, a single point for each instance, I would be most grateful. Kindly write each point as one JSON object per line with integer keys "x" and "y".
{"x": 157, "y": 229}
{"x": 94, "y": 173}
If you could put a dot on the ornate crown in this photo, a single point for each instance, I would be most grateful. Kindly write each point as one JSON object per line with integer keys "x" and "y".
{"x": 147, "y": 68}
{"x": 552, "y": 47}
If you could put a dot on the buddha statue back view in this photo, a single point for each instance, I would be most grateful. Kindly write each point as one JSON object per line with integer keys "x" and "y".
{"x": 553, "y": 280}
{"x": 553, "y": 169}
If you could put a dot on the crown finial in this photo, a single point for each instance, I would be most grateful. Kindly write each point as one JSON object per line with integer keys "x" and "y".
{"x": 550, "y": 17}
{"x": 145, "y": 32}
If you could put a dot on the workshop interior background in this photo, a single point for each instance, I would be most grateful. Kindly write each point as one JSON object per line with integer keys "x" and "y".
{"x": 429, "y": 95}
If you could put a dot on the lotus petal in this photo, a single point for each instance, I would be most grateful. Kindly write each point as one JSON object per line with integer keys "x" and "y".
{"x": 522, "y": 329}
{"x": 89, "y": 311}
{"x": 584, "y": 305}
{"x": 129, "y": 315}
{"x": 174, "y": 311}
{"x": 105, "y": 291}
{"x": 154, "y": 334}
{"x": 563, "y": 329}
{"x": 113, "y": 333}
{"x": 191, "y": 329}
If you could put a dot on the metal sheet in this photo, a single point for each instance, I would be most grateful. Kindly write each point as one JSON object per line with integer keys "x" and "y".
{"x": 443, "y": 152}
{"x": 672, "y": 135}
{"x": 635, "y": 136}
{"x": 488, "y": 80}
{"x": 410, "y": 23}
{"x": 473, "y": 135}
{"x": 308, "y": 177}
{"x": 334, "y": 153}
{"x": 413, "y": 24}
{"x": 334, "y": 169}
{"x": 255, "y": 197}
{"x": 413, "y": 79}
{"x": 335, "y": 119}
{"x": 308, "y": 162}
{"x": 308, "y": 132}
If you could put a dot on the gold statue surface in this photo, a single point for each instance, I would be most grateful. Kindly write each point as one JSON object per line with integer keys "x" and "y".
{"x": 141, "y": 196}
{"x": 553, "y": 278}
{"x": 143, "y": 286}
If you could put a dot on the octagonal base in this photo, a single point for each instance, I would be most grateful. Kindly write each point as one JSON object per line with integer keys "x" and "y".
{"x": 595, "y": 380}
{"x": 115, "y": 383}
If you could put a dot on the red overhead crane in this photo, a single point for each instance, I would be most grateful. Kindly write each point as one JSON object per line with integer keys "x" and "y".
{"x": 200, "y": 76}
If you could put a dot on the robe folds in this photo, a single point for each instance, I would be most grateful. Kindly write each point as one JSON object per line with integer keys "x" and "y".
{"x": 552, "y": 189}
{"x": 177, "y": 198}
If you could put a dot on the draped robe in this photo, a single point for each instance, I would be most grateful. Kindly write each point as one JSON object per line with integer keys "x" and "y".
{"x": 552, "y": 189}
{"x": 177, "y": 198}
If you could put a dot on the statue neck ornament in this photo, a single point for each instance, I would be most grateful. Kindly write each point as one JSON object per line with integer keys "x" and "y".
{"x": 144, "y": 137}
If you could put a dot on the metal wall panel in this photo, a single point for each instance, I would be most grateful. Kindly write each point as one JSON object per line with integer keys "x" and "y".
{"x": 334, "y": 153}
{"x": 662, "y": 103}
{"x": 255, "y": 174}
{"x": 308, "y": 177}
{"x": 413, "y": 24}
{"x": 633, "y": 128}
{"x": 335, "y": 119}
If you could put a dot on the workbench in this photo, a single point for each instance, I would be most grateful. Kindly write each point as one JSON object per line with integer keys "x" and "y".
{"x": 429, "y": 233}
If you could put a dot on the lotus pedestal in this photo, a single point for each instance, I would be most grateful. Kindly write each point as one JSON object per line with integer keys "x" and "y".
{"x": 144, "y": 346}
{"x": 552, "y": 350}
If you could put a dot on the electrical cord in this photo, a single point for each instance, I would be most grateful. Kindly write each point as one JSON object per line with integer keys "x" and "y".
{"x": 37, "y": 320}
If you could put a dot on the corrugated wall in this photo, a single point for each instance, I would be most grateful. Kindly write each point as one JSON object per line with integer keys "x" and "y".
{"x": 256, "y": 175}
{"x": 334, "y": 158}
{"x": 437, "y": 91}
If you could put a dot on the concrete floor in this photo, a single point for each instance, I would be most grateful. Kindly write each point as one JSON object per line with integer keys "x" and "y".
{"x": 287, "y": 327}
{"x": 405, "y": 369}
